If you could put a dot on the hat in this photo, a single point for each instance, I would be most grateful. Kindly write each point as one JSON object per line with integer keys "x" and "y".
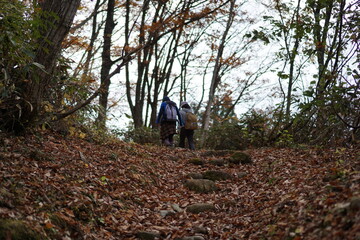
{"x": 166, "y": 99}
{"x": 184, "y": 104}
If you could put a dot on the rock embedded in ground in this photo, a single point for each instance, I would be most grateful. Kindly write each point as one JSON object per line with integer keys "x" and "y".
{"x": 195, "y": 176}
{"x": 16, "y": 230}
{"x": 218, "y": 162}
{"x": 143, "y": 235}
{"x": 240, "y": 158}
{"x": 201, "y": 230}
{"x": 200, "y": 207}
{"x": 216, "y": 175}
{"x": 201, "y": 185}
{"x": 176, "y": 207}
{"x": 241, "y": 174}
{"x": 355, "y": 204}
{"x": 191, "y": 238}
{"x": 165, "y": 213}
{"x": 197, "y": 161}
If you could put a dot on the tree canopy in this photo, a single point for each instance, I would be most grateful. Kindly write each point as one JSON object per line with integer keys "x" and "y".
{"x": 294, "y": 65}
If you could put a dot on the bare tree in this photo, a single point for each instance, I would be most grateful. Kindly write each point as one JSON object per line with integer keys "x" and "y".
{"x": 216, "y": 77}
{"x": 142, "y": 36}
{"x": 106, "y": 65}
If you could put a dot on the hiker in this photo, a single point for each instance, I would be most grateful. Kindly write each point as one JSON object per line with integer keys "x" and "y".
{"x": 190, "y": 124}
{"x": 168, "y": 116}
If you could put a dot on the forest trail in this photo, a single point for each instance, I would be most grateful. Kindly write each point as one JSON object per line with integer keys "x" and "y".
{"x": 69, "y": 188}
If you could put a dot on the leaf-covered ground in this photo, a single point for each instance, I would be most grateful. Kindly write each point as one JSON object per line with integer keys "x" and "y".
{"x": 68, "y": 188}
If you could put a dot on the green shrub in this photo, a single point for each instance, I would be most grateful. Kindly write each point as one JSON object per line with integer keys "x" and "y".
{"x": 143, "y": 135}
{"x": 286, "y": 139}
{"x": 226, "y": 136}
{"x": 256, "y": 127}
{"x": 16, "y": 61}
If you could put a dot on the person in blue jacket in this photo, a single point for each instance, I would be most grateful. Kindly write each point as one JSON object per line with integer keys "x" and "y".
{"x": 168, "y": 123}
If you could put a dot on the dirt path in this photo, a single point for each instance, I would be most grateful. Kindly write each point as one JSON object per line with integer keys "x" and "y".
{"x": 72, "y": 189}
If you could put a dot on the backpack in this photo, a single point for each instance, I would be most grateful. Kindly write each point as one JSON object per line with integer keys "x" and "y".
{"x": 170, "y": 111}
{"x": 191, "y": 121}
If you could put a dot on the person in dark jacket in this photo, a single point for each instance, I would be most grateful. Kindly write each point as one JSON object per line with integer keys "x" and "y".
{"x": 186, "y": 133}
{"x": 167, "y": 127}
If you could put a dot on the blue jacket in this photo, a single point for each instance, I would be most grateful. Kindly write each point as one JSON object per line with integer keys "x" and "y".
{"x": 162, "y": 115}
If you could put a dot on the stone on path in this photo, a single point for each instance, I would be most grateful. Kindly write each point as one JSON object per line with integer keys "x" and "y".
{"x": 176, "y": 207}
{"x": 216, "y": 175}
{"x": 218, "y": 162}
{"x": 165, "y": 213}
{"x": 355, "y": 204}
{"x": 201, "y": 185}
{"x": 195, "y": 176}
{"x": 16, "y": 229}
{"x": 197, "y": 161}
{"x": 148, "y": 235}
{"x": 192, "y": 238}
{"x": 241, "y": 174}
{"x": 200, "y": 207}
{"x": 201, "y": 230}
{"x": 240, "y": 158}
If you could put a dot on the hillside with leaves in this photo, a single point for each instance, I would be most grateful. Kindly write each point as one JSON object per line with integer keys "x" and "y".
{"x": 67, "y": 188}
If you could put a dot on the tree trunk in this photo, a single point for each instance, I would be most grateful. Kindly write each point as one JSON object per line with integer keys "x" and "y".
{"x": 137, "y": 109}
{"x": 90, "y": 52}
{"x": 49, "y": 48}
{"x": 320, "y": 36}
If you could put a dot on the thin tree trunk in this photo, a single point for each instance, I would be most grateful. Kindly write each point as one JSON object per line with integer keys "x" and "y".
{"x": 126, "y": 47}
{"x": 215, "y": 76}
{"x": 142, "y": 58}
{"x": 94, "y": 35}
{"x": 292, "y": 55}
{"x": 320, "y": 35}
{"x": 107, "y": 63}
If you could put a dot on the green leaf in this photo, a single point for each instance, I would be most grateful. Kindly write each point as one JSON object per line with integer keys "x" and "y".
{"x": 282, "y": 75}
{"x": 267, "y": 17}
{"x": 308, "y": 93}
{"x": 29, "y": 53}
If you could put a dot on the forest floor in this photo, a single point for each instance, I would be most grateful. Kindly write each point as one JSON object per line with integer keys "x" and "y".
{"x": 53, "y": 187}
